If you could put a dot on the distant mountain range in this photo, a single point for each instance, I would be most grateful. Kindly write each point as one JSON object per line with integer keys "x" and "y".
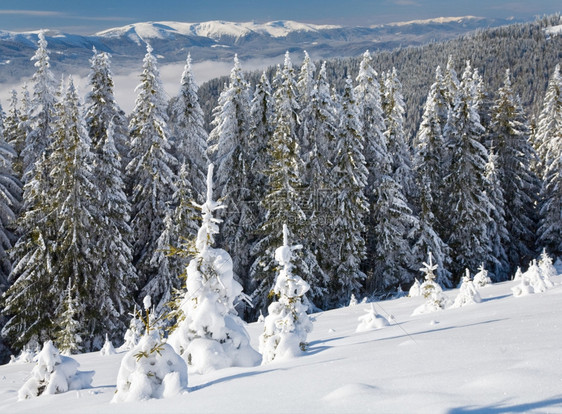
{"x": 219, "y": 40}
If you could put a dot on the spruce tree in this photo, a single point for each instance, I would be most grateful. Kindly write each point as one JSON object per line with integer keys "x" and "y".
{"x": 284, "y": 201}
{"x": 430, "y": 160}
{"x": 150, "y": 171}
{"x": 68, "y": 338}
{"x": 10, "y": 203}
{"x": 228, "y": 144}
{"x": 515, "y": 155}
{"x": 103, "y": 110}
{"x": 321, "y": 129}
{"x": 397, "y": 143}
{"x": 497, "y": 231}
{"x": 189, "y": 137}
{"x": 368, "y": 95}
{"x": 348, "y": 205}
{"x": 465, "y": 202}
{"x": 42, "y": 116}
{"x": 549, "y": 139}
{"x": 106, "y": 126}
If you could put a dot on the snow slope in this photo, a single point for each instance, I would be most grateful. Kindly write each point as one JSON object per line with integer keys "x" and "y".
{"x": 502, "y": 355}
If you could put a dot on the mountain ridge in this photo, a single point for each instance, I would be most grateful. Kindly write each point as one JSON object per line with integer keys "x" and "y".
{"x": 219, "y": 40}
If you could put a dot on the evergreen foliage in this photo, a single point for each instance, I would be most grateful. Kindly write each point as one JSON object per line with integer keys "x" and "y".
{"x": 150, "y": 173}
{"x": 549, "y": 139}
{"x": 510, "y": 133}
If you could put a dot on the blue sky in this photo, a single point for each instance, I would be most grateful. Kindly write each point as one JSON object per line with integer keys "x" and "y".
{"x": 86, "y": 17}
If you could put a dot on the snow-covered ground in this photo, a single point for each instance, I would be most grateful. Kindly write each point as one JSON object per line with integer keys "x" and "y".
{"x": 501, "y": 355}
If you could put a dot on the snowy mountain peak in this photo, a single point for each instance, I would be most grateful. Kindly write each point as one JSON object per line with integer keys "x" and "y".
{"x": 215, "y": 29}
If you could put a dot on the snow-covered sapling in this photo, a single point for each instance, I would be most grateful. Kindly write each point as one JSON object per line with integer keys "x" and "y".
{"x": 468, "y": 293}
{"x": 54, "y": 374}
{"x": 431, "y": 290}
{"x": 481, "y": 278}
{"x": 107, "y": 348}
{"x": 211, "y": 335}
{"x": 518, "y": 274}
{"x": 547, "y": 269}
{"x": 151, "y": 369}
{"x": 371, "y": 320}
{"x": 133, "y": 333}
{"x": 353, "y": 300}
{"x": 535, "y": 278}
{"x": 415, "y": 290}
{"x": 287, "y": 324}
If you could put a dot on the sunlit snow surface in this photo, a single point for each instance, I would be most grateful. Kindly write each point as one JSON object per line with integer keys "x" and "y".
{"x": 501, "y": 355}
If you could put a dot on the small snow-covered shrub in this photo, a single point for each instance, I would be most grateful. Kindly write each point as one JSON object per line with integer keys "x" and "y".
{"x": 371, "y": 320}
{"x": 25, "y": 357}
{"x": 287, "y": 324}
{"x": 353, "y": 300}
{"x": 547, "y": 269}
{"x": 54, "y": 374}
{"x": 152, "y": 369}
{"x": 431, "y": 291}
{"x": 415, "y": 290}
{"x": 518, "y": 274}
{"x": 468, "y": 294}
{"x": 133, "y": 333}
{"x": 534, "y": 276}
{"x": 107, "y": 348}
{"x": 481, "y": 278}
{"x": 522, "y": 289}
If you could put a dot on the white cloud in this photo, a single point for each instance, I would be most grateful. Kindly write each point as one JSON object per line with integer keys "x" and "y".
{"x": 40, "y": 13}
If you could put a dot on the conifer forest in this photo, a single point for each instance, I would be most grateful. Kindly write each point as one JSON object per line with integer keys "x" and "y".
{"x": 365, "y": 164}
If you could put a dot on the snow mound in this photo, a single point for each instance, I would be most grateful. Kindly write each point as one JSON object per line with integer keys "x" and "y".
{"x": 54, "y": 374}
{"x": 152, "y": 369}
{"x": 371, "y": 320}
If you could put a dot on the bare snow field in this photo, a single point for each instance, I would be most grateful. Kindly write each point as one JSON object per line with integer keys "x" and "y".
{"x": 502, "y": 355}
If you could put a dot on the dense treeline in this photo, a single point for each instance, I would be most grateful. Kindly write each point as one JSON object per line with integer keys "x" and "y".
{"x": 370, "y": 163}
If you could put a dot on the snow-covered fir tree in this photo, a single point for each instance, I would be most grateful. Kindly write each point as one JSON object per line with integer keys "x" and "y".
{"x": 465, "y": 202}
{"x": 287, "y": 324}
{"x": 497, "y": 231}
{"x": 306, "y": 84}
{"x": 320, "y": 128}
{"x": 511, "y": 133}
{"x": 103, "y": 110}
{"x": 107, "y": 129}
{"x": 228, "y": 144}
{"x": 10, "y": 203}
{"x": 397, "y": 142}
{"x": 150, "y": 171}
{"x": 189, "y": 137}
{"x": 431, "y": 290}
{"x": 430, "y": 160}
{"x": 549, "y": 141}
{"x": 116, "y": 274}
{"x": 348, "y": 205}
{"x": 210, "y": 334}
{"x": 368, "y": 94}
{"x": 285, "y": 199}
{"x": 73, "y": 203}
{"x": 42, "y": 117}
{"x": 68, "y": 338}
{"x": 14, "y": 133}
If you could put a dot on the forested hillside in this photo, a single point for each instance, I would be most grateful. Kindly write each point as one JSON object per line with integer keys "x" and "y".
{"x": 367, "y": 165}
